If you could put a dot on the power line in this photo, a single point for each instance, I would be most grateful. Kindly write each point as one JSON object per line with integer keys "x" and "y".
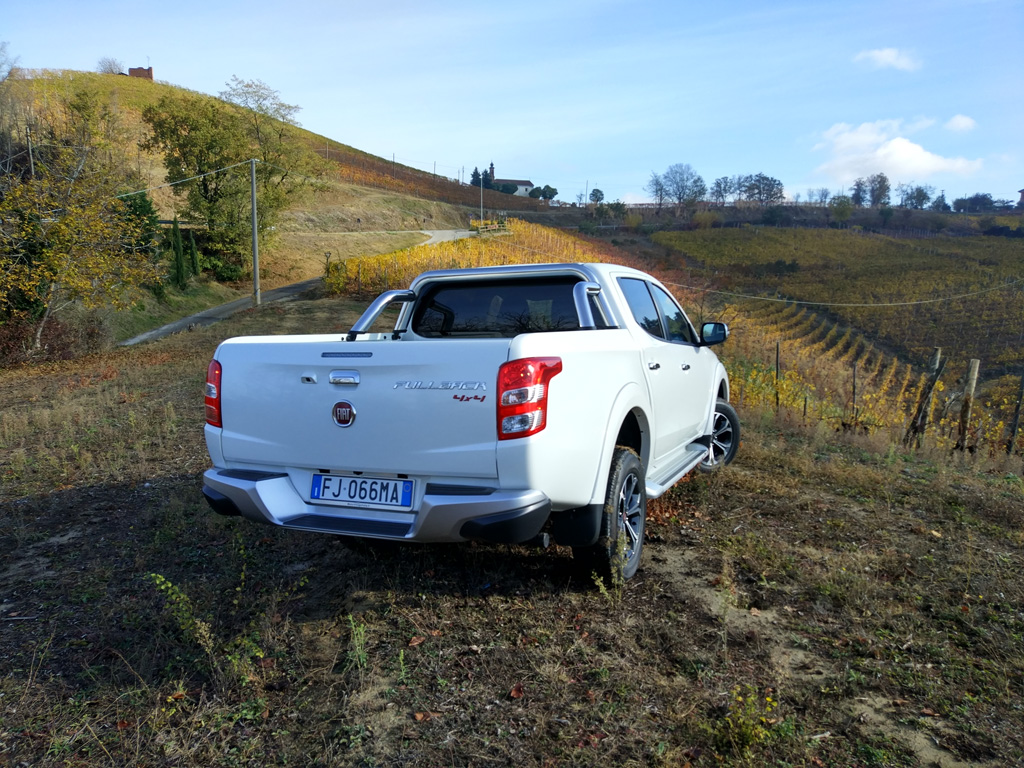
{"x": 182, "y": 181}
{"x": 850, "y": 305}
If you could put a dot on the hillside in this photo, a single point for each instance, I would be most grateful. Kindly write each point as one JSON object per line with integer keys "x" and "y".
{"x": 963, "y": 294}
{"x": 326, "y": 211}
{"x": 128, "y": 96}
{"x": 828, "y": 600}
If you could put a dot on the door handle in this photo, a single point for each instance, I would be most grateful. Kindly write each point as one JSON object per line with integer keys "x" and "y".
{"x": 685, "y": 366}
{"x": 654, "y": 366}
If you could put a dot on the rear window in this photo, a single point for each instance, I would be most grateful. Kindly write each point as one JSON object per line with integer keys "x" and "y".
{"x": 497, "y": 308}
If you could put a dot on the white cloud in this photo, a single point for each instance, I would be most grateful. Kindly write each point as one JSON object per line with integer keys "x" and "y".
{"x": 885, "y": 58}
{"x": 883, "y": 145}
{"x": 960, "y": 124}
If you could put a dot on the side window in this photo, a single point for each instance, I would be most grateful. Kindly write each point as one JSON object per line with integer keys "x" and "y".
{"x": 642, "y": 305}
{"x": 678, "y": 326}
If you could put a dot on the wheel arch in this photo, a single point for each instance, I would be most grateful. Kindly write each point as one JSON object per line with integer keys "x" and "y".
{"x": 627, "y": 422}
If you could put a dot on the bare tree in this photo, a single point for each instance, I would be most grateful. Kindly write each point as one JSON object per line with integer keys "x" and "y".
{"x": 764, "y": 190}
{"x": 656, "y": 188}
{"x": 684, "y": 185}
{"x": 108, "y": 65}
{"x": 721, "y": 188}
{"x": 737, "y": 184}
{"x": 7, "y": 62}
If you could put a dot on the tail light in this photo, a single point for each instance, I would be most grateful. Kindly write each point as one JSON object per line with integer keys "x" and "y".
{"x": 213, "y": 374}
{"x": 523, "y": 395}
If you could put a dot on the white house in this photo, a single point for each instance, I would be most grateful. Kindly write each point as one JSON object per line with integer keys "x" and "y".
{"x": 523, "y": 186}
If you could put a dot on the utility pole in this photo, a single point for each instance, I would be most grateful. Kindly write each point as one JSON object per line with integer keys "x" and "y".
{"x": 255, "y": 236}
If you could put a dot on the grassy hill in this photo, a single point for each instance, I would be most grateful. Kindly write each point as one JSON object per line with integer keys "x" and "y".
{"x": 963, "y": 294}
{"x": 826, "y": 601}
{"x": 353, "y": 211}
{"x": 128, "y": 96}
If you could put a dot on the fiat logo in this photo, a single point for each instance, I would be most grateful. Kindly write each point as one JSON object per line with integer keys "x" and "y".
{"x": 344, "y": 414}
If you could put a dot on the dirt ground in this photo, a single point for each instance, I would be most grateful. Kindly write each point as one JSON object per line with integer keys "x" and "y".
{"x": 824, "y": 601}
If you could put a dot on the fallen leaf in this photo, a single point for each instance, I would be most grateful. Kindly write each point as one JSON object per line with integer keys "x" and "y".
{"x": 422, "y": 717}
{"x": 434, "y": 633}
{"x": 517, "y": 691}
{"x": 936, "y": 534}
{"x": 929, "y": 712}
{"x": 123, "y": 724}
{"x": 754, "y": 612}
{"x": 418, "y": 640}
{"x": 178, "y": 695}
{"x": 900, "y": 702}
{"x": 265, "y": 663}
{"x": 475, "y": 648}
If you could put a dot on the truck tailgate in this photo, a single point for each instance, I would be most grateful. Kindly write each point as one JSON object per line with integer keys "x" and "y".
{"x": 422, "y": 408}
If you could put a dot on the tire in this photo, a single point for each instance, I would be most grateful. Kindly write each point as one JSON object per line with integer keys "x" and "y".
{"x": 616, "y": 555}
{"x": 725, "y": 438}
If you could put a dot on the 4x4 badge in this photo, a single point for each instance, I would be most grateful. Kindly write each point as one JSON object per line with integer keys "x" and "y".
{"x": 344, "y": 414}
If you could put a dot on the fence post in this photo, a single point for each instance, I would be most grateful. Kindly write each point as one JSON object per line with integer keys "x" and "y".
{"x": 1016, "y": 419}
{"x": 855, "y": 393}
{"x": 777, "y": 360}
{"x": 920, "y": 420}
{"x": 965, "y": 408}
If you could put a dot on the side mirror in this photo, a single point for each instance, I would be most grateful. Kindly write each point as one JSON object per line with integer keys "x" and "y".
{"x": 713, "y": 333}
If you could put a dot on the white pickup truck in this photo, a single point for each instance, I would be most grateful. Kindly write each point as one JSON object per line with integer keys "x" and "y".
{"x": 508, "y": 404}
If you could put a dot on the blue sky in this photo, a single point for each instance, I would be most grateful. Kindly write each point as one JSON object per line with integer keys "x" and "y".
{"x": 600, "y": 93}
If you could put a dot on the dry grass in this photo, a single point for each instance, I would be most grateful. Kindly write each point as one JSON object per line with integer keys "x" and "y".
{"x": 818, "y": 603}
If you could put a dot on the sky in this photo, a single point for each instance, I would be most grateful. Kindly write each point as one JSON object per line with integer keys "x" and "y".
{"x": 601, "y": 93}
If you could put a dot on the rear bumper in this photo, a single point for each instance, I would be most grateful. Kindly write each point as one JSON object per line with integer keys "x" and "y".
{"x": 445, "y": 514}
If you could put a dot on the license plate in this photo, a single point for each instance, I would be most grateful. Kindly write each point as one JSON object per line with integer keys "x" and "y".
{"x": 362, "y": 491}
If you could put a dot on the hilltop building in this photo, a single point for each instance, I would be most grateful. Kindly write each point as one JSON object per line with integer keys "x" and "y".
{"x": 146, "y": 73}
{"x": 1020, "y": 202}
{"x": 523, "y": 186}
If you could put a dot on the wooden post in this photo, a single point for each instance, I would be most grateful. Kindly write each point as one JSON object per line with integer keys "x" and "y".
{"x": 777, "y": 361}
{"x": 920, "y": 420}
{"x": 855, "y": 393}
{"x": 965, "y": 408}
{"x": 1016, "y": 420}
